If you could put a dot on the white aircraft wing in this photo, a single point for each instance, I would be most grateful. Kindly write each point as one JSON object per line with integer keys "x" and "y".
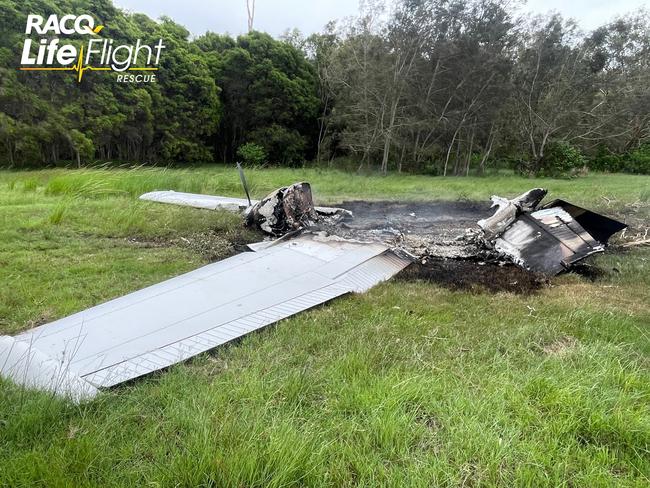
{"x": 211, "y": 202}
{"x": 171, "y": 321}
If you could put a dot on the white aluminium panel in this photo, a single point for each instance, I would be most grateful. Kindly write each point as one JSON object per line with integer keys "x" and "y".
{"x": 171, "y": 321}
{"x": 212, "y": 202}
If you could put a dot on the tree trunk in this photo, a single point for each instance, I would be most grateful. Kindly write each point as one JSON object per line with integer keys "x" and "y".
{"x": 469, "y": 152}
{"x": 363, "y": 158}
{"x": 451, "y": 145}
{"x": 401, "y": 158}
{"x": 321, "y": 131}
{"x": 457, "y": 158}
{"x": 540, "y": 155}
{"x": 416, "y": 156}
{"x": 11, "y": 154}
{"x": 388, "y": 138}
{"x": 384, "y": 158}
{"x": 486, "y": 155}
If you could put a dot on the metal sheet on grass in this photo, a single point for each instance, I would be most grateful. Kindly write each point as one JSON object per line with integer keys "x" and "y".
{"x": 196, "y": 200}
{"x": 169, "y": 322}
{"x": 547, "y": 241}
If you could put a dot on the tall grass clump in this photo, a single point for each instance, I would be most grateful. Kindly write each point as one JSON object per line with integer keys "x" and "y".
{"x": 644, "y": 195}
{"x": 88, "y": 184}
{"x": 56, "y": 216}
{"x": 98, "y": 183}
{"x": 30, "y": 184}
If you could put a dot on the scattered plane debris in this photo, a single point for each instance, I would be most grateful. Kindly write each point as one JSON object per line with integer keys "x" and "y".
{"x": 196, "y": 200}
{"x": 549, "y": 239}
{"x": 546, "y": 239}
{"x": 508, "y": 210}
{"x": 169, "y": 322}
{"x": 286, "y": 209}
{"x": 599, "y": 226}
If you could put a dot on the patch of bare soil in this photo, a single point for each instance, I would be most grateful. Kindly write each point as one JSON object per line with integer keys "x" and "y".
{"x": 561, "y": 347}
{"x": 475, "y": 276}
{"x": 211, "y": 245}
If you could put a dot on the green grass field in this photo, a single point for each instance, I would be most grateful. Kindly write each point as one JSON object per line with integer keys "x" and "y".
{"x": 410, "y": 384}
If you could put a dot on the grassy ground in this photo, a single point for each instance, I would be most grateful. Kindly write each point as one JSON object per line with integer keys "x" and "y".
{"x": 408, "y": 385}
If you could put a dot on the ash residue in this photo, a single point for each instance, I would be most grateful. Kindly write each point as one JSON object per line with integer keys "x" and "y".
{"x": 448, "y": 219}
{"x": 475, "y": 276}
{"x": 446, "y": 240}
{"x": 420, "y": 228}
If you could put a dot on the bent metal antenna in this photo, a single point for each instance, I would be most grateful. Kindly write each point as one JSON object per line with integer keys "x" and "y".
{"x": 243, "y": 182}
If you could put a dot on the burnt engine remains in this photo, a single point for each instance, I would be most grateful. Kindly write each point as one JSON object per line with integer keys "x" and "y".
{"x": 285, "y": 210}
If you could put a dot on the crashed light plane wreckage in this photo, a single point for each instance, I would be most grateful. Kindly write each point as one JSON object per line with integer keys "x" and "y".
{"x": 547, "y": 239}
{"x": 172, "y": 321}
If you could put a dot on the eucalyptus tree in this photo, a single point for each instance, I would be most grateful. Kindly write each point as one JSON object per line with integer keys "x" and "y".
{"x": 354, "y": 77}
{"x": 554, "y": 86}
{"x": 620, "y": 54}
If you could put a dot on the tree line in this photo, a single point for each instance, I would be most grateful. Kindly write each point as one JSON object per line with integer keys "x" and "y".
{"x": 448, "y": 87}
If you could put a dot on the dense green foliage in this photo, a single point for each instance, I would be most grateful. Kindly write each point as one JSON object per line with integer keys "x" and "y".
{"x": 560, "y": 158}
{"x": 269, "y": 94}
{"x": 430, "y": 86}
{"x": 47, "y": 117}
{"x": 212, "y": 95}
{"x": 634, "y": 161}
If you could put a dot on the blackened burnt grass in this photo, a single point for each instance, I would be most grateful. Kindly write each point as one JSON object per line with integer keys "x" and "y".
{"x": 411, "y": 384}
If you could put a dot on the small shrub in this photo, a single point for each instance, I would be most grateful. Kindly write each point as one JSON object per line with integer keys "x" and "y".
{"x": 283, "y": 146}
{"x": 56, "y": 215}
{"x": 252, "y": 153}
{"x": 604, "y": 160}
{"x": 561, "y": 159}
{"x": 638, "y": 161}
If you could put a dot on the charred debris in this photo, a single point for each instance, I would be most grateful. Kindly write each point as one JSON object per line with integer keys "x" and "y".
{"x": 545, "y": 239}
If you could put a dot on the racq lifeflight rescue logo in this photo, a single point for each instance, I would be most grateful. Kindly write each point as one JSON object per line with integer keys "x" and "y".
{"x": 49, "y": 53}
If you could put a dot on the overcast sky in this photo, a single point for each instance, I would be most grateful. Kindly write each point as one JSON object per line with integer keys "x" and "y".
{"x": 275, "y": 16}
